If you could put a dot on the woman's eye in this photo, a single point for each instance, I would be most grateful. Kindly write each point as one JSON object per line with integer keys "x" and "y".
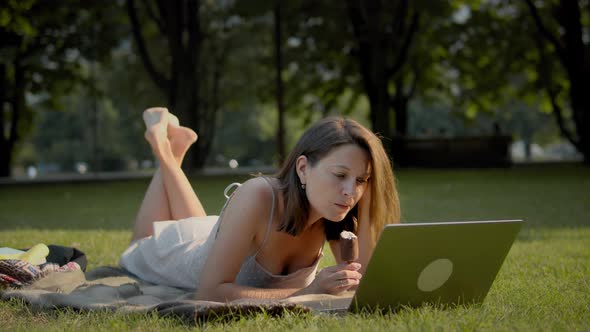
{"x": 340, "y": 176}
{"x": 361, "y": 181}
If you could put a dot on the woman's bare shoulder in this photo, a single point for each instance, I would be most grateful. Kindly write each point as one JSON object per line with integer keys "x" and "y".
{"x": 248, "y": 207}
{"x": 259, "y": 188}
{"x": 255, "y": 195}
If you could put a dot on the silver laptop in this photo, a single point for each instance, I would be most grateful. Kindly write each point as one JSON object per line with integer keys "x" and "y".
{"x": 444, "y": 263}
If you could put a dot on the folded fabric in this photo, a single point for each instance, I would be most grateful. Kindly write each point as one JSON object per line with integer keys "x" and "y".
{"x": 36, "y": 255}
{"x": 6, "y": 280}
{"x": 17, "y": 273}
{"x": 62, "y": 255}
{"x": 22, "y": 271}
{"x": 8, "y": 253}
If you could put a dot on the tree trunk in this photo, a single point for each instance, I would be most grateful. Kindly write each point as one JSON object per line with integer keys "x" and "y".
{"x": 373, "y": 66}
{"x": 6, "y": 160}
{"x": 574, "y": 56}
{"x": 198, "y": 101}
{"x": 378, "y": 37}
{"x": 185, "y": 106}
{"x": 371, "y": 54}
{"x": 580, "y": 103}
{"x": 279, "y": 83}
{"x": 17, "y": 105}
{"x": 400, "y": 106}
{"x": 4, "y": 152}
{"x": 380, "y": 111}
{"x": 375, "y": 82}
{"x": 179, "y": 23}
{"x": 576, "y": 60}
{"x": 401, "y": 116}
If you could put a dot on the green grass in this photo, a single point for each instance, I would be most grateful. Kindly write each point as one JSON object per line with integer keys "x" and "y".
{"x": 544, "y": 283}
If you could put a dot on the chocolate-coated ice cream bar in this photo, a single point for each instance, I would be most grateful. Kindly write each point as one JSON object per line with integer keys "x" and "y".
{"x": 349, "y": 248}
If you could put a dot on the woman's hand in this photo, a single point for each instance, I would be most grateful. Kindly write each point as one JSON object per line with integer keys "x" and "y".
{"x": 335, "y": 279}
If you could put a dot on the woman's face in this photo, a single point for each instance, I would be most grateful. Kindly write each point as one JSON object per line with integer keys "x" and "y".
{"x": 336, "y": 183}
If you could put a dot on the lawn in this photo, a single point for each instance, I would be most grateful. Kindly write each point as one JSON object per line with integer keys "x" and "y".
{"x": 544, "y": 283}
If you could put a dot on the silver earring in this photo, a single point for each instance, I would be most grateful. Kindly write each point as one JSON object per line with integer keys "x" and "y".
{"x": 303, "y": 186}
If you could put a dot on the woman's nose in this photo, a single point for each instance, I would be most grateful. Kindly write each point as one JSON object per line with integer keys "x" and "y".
{"x": 348, "y": 188}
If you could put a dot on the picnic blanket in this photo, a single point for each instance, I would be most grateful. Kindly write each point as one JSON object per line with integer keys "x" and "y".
{"x": 110, "y": 288}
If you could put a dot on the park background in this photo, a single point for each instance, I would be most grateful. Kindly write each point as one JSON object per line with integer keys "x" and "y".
{"x": 483, "y": 106}
{"x": 249, "y": 76}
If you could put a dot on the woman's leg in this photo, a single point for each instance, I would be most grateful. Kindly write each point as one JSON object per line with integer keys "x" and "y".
{"x": 169, "y": 195}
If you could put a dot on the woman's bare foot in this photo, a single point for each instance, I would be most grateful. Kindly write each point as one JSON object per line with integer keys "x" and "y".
{"x": 181, "y": 138}
{"x": 156, "y": 122}
{"x": 155, "y": 115}
{"x": 173, "y": 120}
{"x": 165, "y": 134}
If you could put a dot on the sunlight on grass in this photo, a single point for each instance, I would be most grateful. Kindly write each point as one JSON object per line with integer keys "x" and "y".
{"x": 544, "y": 283}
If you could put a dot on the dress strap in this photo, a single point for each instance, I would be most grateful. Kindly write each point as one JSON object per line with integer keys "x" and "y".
{"x": 228, "y": 188}
{"x": 272, "y": 213}
{"x": 228, "y": 197}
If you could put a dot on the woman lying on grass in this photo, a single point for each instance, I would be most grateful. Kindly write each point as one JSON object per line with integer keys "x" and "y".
{"x": 269, "y": 236}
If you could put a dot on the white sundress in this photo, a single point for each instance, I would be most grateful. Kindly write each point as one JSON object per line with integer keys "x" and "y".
{"x": 176, "y": 252}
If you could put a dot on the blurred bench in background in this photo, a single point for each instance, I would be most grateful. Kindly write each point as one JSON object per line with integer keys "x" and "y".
{"x": 469, "y": 151}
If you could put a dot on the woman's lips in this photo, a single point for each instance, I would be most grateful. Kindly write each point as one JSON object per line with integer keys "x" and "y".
{"x": 342, "y": 206}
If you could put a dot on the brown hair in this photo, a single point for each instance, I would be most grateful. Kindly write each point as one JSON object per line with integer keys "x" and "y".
{"x": 319, "y": 140}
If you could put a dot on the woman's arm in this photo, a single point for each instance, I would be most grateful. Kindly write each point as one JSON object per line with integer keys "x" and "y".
{"x": 331, "y": 280}
{"x": 242, "y": 219}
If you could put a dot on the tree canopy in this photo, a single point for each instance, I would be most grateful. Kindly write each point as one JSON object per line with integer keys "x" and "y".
{"x": 280, "y": 65}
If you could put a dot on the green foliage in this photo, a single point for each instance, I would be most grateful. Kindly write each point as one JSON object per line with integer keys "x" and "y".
{"x": 476, "y": 59}
{"x": 13, "y": 17}
{"x": 43, "y": 58}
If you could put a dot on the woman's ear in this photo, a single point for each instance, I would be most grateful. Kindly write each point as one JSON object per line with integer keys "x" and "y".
{"x": 301, "y": 168}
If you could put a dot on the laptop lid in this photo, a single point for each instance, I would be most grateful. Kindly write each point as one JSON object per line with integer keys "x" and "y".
{"x": 441, "y": 263}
